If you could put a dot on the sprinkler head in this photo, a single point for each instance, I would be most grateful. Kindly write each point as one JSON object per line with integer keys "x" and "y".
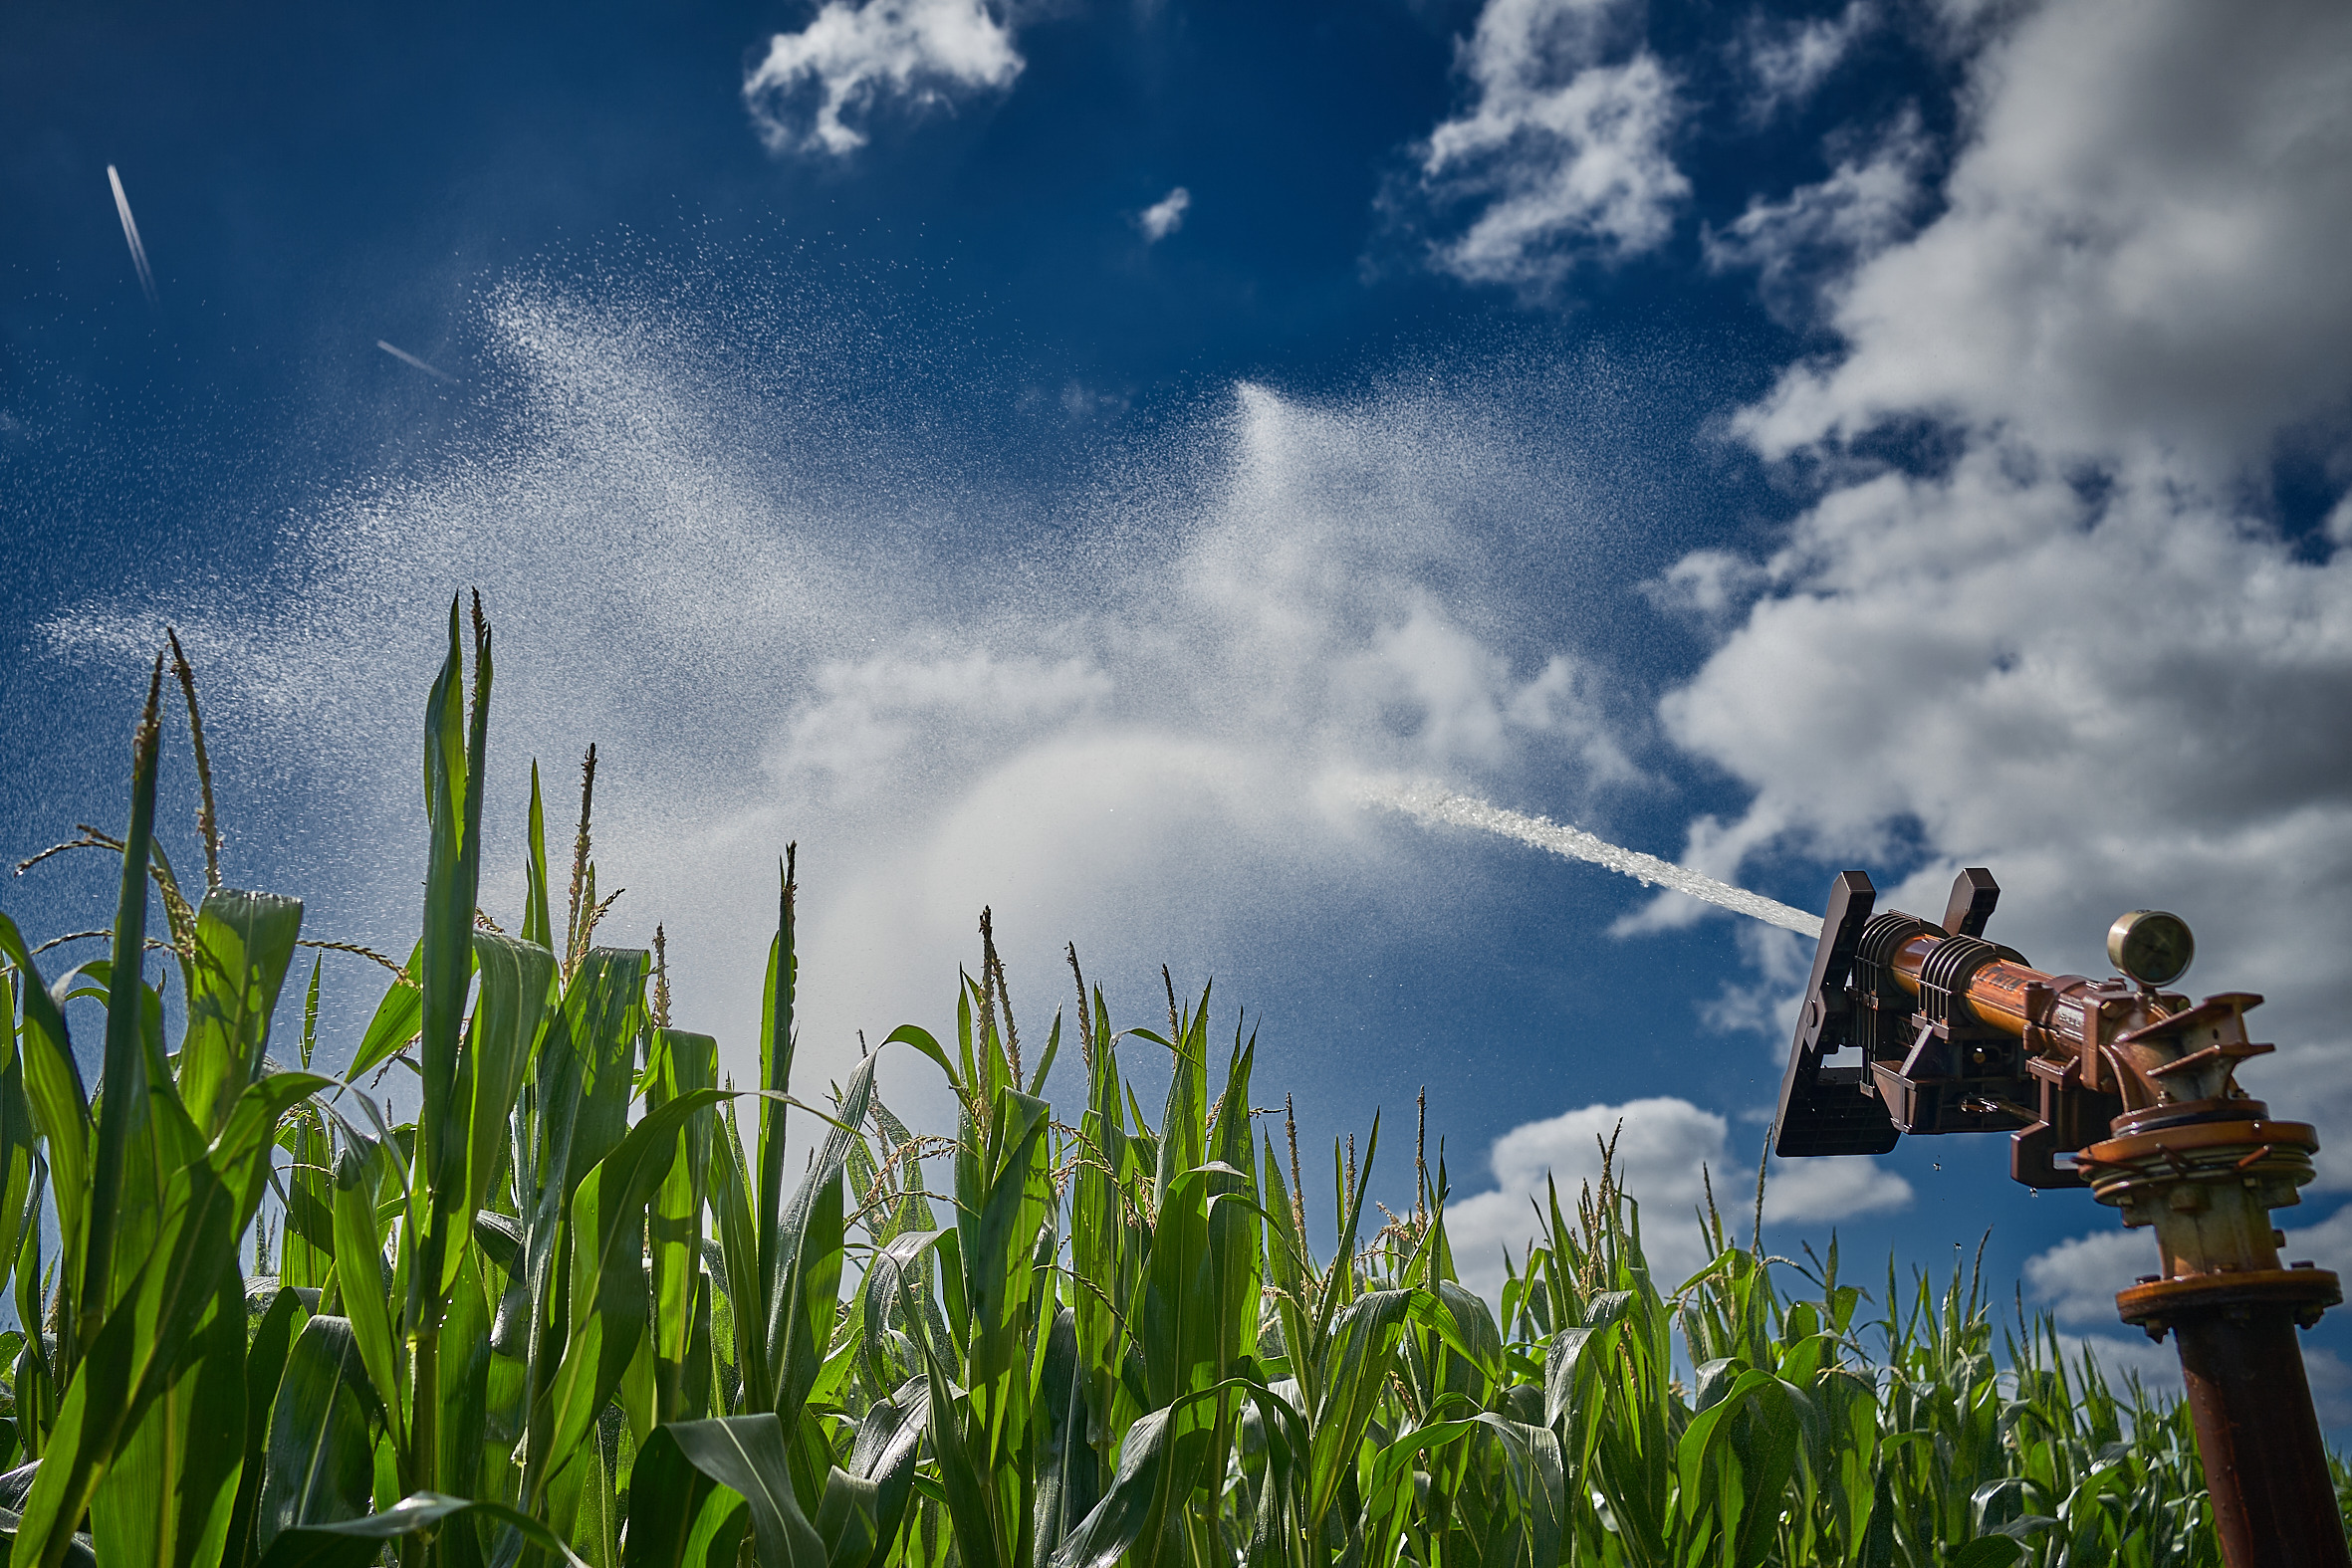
{"x": 2151, "y": 947}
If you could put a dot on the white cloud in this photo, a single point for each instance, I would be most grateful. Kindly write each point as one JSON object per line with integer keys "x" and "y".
{"x": 1706, "y": 585}
{"x": 1788, "y": 60}
{"x": 1562, "y": 155}
{"x": 1784, "y": 961}
{"x": 1667, "y": 1150}
{"x": 1164, "y": 216}
{"x": 866, "y": 717}
{"x": 2066, "y": 647}
{"x": 2143, "y": 243}
{"x": 922, "y": 52}
{"x": 1865, "y": 205}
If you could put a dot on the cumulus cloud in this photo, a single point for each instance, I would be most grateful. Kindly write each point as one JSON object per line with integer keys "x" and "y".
{"x": 1666, "y": 1151}
{"x": 1818, "y": 233}
{"x": 919, "y": 52}
{"x": 1164, "y": 216}
{"x": 1563, "y": 153}
{"x": 2068, "y": 643}
{"x": 1789, "y": 58}
{"x": 2142, "y": 243}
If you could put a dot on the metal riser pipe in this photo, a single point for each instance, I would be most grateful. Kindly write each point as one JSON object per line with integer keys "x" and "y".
{"x": 2265, "y": 1466}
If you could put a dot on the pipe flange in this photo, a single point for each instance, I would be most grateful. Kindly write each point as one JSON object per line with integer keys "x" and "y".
{"x": 2161, "y": 1303}
{"x": 2274, "y": 1156}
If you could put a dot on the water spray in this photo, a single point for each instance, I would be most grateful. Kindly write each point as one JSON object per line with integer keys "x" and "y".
{"x": 405, "y": 357}
{"x": 1434, "y": 803}
{"x": 139, "y": 249}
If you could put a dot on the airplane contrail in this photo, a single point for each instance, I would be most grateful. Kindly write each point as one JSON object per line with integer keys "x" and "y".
{"x": 138, "y": 252}
{"x": 405, "y": 357}
{"x": 1434, "y": 803}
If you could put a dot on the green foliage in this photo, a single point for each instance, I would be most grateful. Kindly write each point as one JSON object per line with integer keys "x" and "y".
{"x": 569, "y": 1313}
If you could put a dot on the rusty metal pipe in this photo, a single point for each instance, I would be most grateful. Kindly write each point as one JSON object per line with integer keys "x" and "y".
{"x": 2265, "y": 1468}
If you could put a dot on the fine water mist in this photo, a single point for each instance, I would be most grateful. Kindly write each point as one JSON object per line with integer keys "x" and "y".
{"x": 799, "y": 575}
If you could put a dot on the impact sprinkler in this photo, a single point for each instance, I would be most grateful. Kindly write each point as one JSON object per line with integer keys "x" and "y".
{"x": 2120, "y": 1086}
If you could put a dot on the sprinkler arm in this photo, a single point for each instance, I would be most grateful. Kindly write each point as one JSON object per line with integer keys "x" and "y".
{"x": 1917, "y": 1028}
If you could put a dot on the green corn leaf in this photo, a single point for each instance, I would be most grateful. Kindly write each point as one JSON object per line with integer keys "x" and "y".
{"x": 748, "y": 1456}
{"x": 587, "y": 1060}
{"x": 1388, "y": 1491}
{"x": 37, "y": 1373}
{"x": 170, "y": 1490}
{"x": 510, "y": 1012}
{"x": 265, "y": 1367}
{"x": 965, "y": 1487}
{"x": 306, "y": 1251}
{"x": 807, "y": 1292}
{"x": 995, "y": 1234}
{"x": 123, "y": 1133}
{"x": 354, "y": 1543}
{"x": 676, "y": 1511}
{"x": 1068, "y": 1482}
{"x": 889, "y": 1438}
{"x": 1101, "y": 1249}
{"x": 1362, "y": 1349}
{"x": 1736, "y": 1455}
{"x": 240, "y": 1155}
{"x": 608, "y": 1308}
{"x": 309, "y": 1011}
{"x": 682, "y": 1064}
{"x": 61, "y": 1110}
{"x": 1288, "y": 1266}
{"x": 362, "y": 1281}
{"x": 731, "y": 1189}
{"x": 539, "y": 922}
{"x": 776, "y": 1069}
{"x": 1338, "y": 1286}
{"x": 244, "y": 946}
{"x": 1184, "y": 1120}
{"x": 1139, "y": 1519}
{"x": 463, "y": 1376}
{"x": 160, "y": 1304}
{"x": 845, "y": 1518}
{"x": 320, "y": 1466}
{"x": 921, "y": 1040}
{"x": 1036, "y": 1081}
{"x": 18, "y": 1132}
{"x": 397, "y": 1019}
{"x": 453, "y": 763}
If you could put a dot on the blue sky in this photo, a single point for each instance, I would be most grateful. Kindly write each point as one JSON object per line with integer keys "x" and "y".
{"x": 1049, "y": 454}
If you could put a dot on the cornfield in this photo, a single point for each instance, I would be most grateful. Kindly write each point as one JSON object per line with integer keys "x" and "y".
{"x": 591, "y": 1306}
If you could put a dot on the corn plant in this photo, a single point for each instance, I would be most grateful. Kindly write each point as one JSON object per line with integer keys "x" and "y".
{"x": 580, "y": 1300}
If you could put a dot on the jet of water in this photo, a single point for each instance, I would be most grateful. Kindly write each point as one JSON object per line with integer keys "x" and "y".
{"x": 138, "y": 252}
{"x": 1431, "y": 803}
{"x": 405, "y": 357}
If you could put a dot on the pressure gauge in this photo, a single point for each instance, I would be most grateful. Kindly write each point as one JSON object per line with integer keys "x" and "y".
{"x": 2151, "y": 946}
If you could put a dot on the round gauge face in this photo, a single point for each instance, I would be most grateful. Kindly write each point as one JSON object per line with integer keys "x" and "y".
{"x": 2152, "y": 947}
